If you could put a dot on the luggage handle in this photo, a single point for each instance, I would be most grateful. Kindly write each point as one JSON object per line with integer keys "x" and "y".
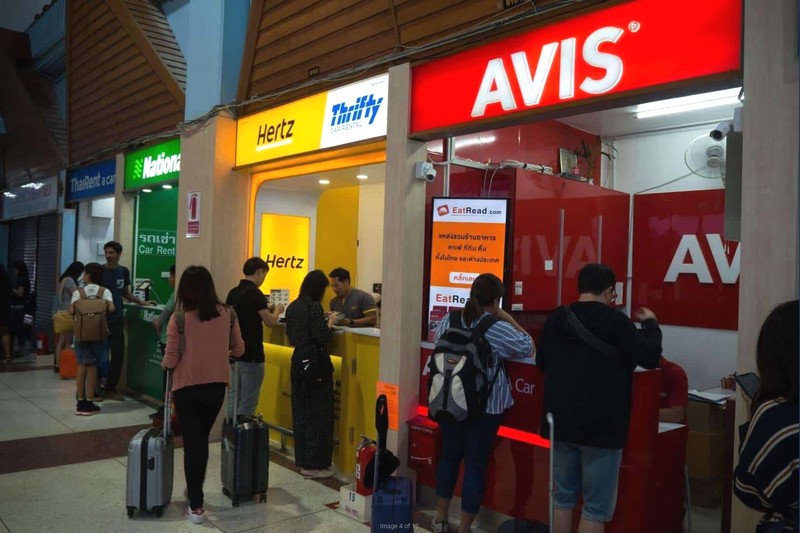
{"x": 234, "y": 388}
{"x": 168, "y": 405}
{"x": 551, "y": 484}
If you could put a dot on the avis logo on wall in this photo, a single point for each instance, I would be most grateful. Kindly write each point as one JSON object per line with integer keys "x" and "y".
{"x": 683, "y": 268}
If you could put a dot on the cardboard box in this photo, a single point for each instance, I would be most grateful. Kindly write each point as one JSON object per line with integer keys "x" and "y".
{"x": 704, "y": 455}
{"x": 705, "y": 417}
{"x": 705, "y": 493}
{"x": 355, "y": 505}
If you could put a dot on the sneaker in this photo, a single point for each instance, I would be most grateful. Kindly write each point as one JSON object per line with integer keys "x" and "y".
{"x": 114, "y": 395}
{"x": 196, "y": 516}
{"x": 87, "y": 408}
{"x": 440, "y": 527}
{"x": 323, "y": 473}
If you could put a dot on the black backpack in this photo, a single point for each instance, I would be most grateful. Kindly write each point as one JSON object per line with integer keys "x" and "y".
{"x": 458, "y": 389}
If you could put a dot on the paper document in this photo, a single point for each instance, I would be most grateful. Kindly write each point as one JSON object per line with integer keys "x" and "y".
{"x": 709, "y": 397}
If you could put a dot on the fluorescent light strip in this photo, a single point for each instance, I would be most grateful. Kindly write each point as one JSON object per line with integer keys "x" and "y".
{"x": 688, "y": 107}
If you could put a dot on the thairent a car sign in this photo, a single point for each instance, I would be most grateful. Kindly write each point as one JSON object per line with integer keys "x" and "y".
{"x": 634, "y": 46}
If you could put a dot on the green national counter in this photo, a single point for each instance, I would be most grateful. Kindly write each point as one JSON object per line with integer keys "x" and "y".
{"x": 143, "y": 352}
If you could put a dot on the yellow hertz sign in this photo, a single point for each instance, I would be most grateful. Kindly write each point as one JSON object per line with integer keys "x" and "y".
{"x": 341, "y": 116}
{"x": 285, "y": 247}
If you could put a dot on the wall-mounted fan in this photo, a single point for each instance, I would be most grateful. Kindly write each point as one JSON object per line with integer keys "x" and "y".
{"x": 705, "y": 157}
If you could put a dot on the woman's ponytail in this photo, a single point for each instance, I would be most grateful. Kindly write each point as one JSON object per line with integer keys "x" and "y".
{"x": 485, "y": 290}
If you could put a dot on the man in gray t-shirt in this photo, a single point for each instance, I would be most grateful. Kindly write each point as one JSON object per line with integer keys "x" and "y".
{"x": 357, "y": 308}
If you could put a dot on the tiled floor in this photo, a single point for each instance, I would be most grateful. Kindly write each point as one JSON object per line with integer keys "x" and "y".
{"x": 63, "y": 472}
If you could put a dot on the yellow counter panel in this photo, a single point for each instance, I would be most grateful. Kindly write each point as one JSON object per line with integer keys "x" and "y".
{"x": 355, "y": 353}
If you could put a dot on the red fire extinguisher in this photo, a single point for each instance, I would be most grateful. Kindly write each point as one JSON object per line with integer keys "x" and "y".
{"x": 364, "y": 454}
{"x": 41, "y": 344}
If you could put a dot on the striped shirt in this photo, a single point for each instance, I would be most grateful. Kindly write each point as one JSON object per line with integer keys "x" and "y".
{"x": 766, "y": 478}
{"x": 506, "y": 343}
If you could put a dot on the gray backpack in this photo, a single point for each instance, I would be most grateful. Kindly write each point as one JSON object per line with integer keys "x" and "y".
{"x": 458, "y": 389}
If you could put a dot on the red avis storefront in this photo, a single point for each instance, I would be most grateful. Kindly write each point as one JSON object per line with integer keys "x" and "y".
{"x": 496, "y": 103}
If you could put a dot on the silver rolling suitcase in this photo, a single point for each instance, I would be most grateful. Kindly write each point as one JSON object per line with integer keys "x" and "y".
{"x": 150, "y": 465}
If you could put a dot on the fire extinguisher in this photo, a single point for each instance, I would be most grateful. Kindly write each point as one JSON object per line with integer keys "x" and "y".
{"x": 41, "y": 344}
{"x": 364, "y": 454}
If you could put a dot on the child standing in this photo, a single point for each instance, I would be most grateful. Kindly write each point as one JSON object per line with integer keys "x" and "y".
{"x": 89, "y": 306}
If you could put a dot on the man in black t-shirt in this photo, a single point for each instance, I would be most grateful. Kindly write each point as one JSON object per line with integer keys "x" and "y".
{"x": 253, "y": 311}
{"x": 588, "y": 352}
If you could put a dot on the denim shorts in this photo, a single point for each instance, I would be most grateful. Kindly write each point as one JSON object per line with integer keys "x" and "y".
{"x": 91, "y": 352}
{"x": 589, "y": 472}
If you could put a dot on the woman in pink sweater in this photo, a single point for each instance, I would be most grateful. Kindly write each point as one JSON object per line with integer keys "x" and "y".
{"x": 201, "y": 369}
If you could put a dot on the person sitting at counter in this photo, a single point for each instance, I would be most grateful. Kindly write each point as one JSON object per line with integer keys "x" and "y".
{"x": 253, "y": 310}
{"x": 312, "y": 378}
{"x": 355, "y": 307}
{"x": 674, "y": 393}
{"x": 588, "y": 352}
{"x": 473, "y": 441}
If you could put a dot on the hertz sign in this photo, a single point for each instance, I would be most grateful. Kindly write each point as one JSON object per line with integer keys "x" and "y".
{"x": 342, "y": 116}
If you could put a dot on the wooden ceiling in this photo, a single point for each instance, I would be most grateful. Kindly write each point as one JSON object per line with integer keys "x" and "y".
{"x": 288, "y": 41}
{"x": 126, "y": 74}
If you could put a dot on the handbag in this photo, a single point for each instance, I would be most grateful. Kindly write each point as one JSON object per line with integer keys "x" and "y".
{"x": 315, "y": 366}
{"x": 63, "y": 322}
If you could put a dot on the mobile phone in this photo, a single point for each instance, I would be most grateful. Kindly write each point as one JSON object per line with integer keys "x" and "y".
{"x": 750, "y": 383}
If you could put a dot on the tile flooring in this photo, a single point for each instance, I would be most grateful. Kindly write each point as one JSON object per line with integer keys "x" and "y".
{"x": 66, "y": 472}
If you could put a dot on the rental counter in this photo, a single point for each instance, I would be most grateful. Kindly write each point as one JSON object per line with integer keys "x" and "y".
{"x": 142, "y": 351}
{"x": 651, "y": 483}
{"x": 355, "y": 353}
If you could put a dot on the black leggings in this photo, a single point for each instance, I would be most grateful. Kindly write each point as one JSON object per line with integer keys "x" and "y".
{"x": 197, "y": 408}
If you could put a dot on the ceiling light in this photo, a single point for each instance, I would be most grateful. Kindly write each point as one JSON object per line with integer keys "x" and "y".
{"x": 32, "y": 185}
{"x": 147, "y": 190}
{"x": 361, "y": 176}
{"x": 688, "y": 103}
{"x": 324, "y": 182}
{"x": 167, "y": 186}
{"x": 9, "y": 194}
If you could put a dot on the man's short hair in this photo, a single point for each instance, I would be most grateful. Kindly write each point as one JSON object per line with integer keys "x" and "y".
{"x": 114, "y": 245}
{"x": 172, "y": 270}
{"x": 94, "y": 271}
{"x": 594, "y": 278}
{"x": 341, "y": 274}
{"x": 253, "y": 265}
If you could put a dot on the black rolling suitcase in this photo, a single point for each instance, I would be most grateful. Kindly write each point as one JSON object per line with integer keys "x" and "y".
{"x": 245, "y": 454}
{"x": 521, "y": 525}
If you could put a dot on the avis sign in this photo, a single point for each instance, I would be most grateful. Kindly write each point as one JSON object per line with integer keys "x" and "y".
{"x": 682, "y": 267}
{"x": 634, "y": 46}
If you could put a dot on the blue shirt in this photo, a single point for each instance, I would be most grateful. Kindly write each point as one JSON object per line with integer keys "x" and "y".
{"x": 115, "y": 280}
{"x": 506, "y": 343}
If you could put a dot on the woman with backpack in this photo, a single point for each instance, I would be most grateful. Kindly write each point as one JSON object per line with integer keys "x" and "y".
{"x": 201, "y": 336}
{"x": 67, "y": 285}
{"x": 20, "y": 293}
{"x": 473, "y": 439}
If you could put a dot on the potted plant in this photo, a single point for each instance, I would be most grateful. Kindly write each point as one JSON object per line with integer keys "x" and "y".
{"x": 587, "y": 152}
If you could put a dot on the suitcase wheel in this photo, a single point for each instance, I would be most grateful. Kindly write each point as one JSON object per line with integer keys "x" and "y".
{"x": 131, "y": 511}
{"x": 236, "y": 502}
{"x": 263, "y": 497}
{"x": 159, "y": 511}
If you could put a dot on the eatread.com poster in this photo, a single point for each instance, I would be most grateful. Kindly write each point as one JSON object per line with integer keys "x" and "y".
{"x": 468, "y": 239}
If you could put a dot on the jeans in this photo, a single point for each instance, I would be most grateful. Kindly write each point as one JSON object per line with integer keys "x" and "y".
{"x": 590, "y": 472}
{"x": 116, "y": 342}
{"x": 197, "y": 407}
{"x": 473, "y": 442}
{"x": 249, "y": 387}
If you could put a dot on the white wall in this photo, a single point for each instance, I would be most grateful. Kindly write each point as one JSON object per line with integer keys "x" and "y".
{"x": 646, "y": 161}
{"x": 294, "y": 203}
{"x": 94, "y": 229}
{"x": 370, "y": 235}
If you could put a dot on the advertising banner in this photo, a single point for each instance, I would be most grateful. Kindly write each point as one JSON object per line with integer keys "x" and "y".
{"x": 92, "y": 181}
{"x": 683, "y": 268}
{"x": 349, "y": 114}
{"x": 468, "y": 239}
{"x": 285, "y": 244}
{"x": 631, "y": 46}
{"x": 31, "y": 198}
{"x": 156, "y": 164}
